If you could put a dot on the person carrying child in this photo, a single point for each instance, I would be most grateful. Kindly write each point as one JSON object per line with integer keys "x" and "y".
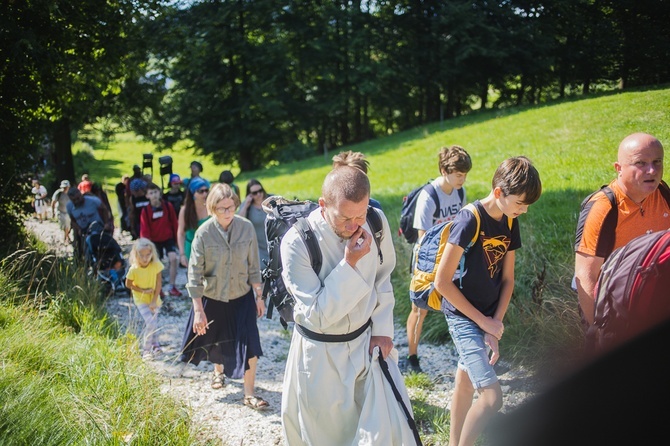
{"x": 474, "y": 310}
{"x": 145, "y": 282}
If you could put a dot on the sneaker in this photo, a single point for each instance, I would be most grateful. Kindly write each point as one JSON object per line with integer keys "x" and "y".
{"x": 175, "y": 292}
{"x": 413, "y": 364}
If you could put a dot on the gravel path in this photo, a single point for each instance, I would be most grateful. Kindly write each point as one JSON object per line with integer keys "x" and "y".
{"x": 219, "y": 414}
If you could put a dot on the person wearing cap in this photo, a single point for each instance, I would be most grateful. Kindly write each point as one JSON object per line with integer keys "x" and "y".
{"x": 137, "y": 174}
{"x": 175, "y": 195}
{"x": 192, "y": 214}
{"x": 138, "y": 199}
{"x": 61, "y": 199}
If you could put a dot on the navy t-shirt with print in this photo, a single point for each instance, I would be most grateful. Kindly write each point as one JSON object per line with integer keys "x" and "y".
{"x": 482, "y": 276}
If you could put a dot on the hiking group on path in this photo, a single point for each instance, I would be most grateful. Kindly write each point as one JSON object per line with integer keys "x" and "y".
{"x": 343, "y": 310}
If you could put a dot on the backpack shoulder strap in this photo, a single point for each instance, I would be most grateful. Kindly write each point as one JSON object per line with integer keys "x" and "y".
{"x": 169, "y": 210}
{"x": 375, "y": 222}
{"x": 307, "y": 234}
{"x": 144, "y": 210}
{"x": 608, "y": 229}
{"x": 665, "y": 191}
{"x": 433, "y": 194}
{"x": 473, "y": 209}
{"x": 461, "y": 194}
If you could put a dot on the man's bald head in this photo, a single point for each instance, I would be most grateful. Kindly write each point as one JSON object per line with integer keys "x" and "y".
{"x": 639, "y": 165}
{"x": 637, "y": 141}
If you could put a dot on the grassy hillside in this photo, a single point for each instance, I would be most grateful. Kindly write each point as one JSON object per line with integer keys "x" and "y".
{"x": 572, "y": 143}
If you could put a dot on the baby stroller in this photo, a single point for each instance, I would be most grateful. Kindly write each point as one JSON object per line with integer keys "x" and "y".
{"x": 104, "y": 256}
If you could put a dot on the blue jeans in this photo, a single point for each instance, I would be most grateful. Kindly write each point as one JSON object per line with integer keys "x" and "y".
{"x": 473, "y": 353}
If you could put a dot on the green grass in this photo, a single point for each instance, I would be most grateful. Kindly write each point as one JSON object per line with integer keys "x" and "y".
{"x": 58, "y": 386}
{"x": 67, "y": 376}
{"x": 573, "y": 144}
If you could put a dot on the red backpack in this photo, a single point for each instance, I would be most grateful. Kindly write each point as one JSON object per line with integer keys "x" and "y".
{"x": 633, "y": 291}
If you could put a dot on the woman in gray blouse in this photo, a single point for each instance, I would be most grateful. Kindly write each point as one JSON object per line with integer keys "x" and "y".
{"x": 252, "y": 210}
{"x": 224, "y": 283}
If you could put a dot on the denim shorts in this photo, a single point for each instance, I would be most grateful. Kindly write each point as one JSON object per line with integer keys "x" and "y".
{"x": 473, "y": 353}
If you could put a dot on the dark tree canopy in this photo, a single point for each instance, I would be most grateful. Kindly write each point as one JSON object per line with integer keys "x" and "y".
{"x": 267, "y": 81}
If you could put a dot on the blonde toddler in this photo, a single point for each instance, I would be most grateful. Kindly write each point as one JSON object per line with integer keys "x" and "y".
{"x": 145, "y": 282}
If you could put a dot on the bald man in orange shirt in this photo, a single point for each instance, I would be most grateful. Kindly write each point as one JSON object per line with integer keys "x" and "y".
{"x": 641, "y": 209}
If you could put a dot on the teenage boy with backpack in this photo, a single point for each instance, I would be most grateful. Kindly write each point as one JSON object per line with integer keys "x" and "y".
{"x": 641, "y": 208}
{"x": 454, "y": 163}
{"x": 475, "y": 304}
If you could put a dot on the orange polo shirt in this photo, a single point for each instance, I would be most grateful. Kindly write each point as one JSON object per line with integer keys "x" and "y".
{"x": 633, "y": 220}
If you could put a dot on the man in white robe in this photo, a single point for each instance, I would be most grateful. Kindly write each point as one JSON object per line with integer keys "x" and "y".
{"x": 325, "y": 391}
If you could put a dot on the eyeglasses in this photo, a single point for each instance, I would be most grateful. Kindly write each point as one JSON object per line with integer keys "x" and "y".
{"x": 202, "y": 191}
{"x": 222, "y": 211}
{"x": 256, "y": 192}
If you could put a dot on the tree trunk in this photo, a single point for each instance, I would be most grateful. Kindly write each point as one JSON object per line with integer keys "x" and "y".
{"x": 246, "y": 160}
{"x": 484, "y": 95}
{"x": 63, "y": 161}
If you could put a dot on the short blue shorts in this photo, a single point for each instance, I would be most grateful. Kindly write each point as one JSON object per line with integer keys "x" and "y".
{"x": 473, "y": 353}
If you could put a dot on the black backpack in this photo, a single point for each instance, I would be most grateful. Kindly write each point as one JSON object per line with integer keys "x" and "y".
{"x": 631, "y": 294}
{"x": 608, "y": 229}
{"x": 282, "y": 215}
{"x": 406, "y": 226}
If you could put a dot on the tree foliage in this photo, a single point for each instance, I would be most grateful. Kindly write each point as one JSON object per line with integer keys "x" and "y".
{"x": 64, "y": 64}
{"x": 252, "y": 81}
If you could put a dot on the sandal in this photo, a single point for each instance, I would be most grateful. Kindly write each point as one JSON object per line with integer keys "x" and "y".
{"x": 217, "y": 381}
{"x": 256, "y": 402}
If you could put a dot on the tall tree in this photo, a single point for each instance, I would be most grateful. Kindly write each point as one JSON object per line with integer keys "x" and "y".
{"x": 227, "y": 66}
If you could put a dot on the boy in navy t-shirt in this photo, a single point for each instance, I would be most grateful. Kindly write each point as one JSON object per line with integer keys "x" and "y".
{"x": 475, "y": 312}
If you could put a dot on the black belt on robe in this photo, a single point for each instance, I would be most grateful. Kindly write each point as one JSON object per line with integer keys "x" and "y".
{"x": 320, "y": 337}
